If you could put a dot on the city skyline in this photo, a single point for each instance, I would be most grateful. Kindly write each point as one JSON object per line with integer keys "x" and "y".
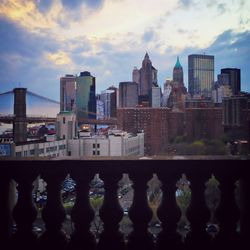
{"x": 44, "y": 40}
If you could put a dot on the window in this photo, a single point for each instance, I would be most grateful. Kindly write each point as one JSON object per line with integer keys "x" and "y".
{"x": 64, "y": 136}
{"x": 98, "y": 152}
{"x": 93, "y": 152}
{"x": 41, "y": 151}
{"x": 61, "y": 147}
{"x": 25, "y": 153}
{"x": 93, "y": 145}
{"x": 18, "y": 154}
{"x": 63, "y": 120}
{"x": 32, "y": 152}
{"x": 98, "y": 145}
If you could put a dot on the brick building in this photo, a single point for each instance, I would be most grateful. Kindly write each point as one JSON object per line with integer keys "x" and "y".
{"x": 236, "y": 116}
{"x": 161, "y": 125}
{"x": 203, "y": 123}
{"x": 176, "y": 125}
{"x": 153, "y": 121}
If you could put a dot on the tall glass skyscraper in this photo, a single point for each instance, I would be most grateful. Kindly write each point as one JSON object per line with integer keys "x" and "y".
{"x": 85, "y": 96}
{"x": 200, "y": 74}
{"x": 68, "y": 93}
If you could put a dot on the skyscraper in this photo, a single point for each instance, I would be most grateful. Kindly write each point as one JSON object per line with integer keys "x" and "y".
{"x": 114, "y": 100}
{"x": 178, "y": 72}
{"x": 146, "y": 78}
{"x": 234, "y": 79}
{"x": 136, "y": 76}
{"x": 109, "y": 99}
{"x": 85, "y": 96}
{"x": 67, "y": 93}
{"x": 128, "y": 94}
{"x": 200, "y": 74}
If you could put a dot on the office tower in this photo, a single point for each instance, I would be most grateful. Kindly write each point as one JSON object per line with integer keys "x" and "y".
{"x": 200, "y": 74}
{"x": 234, "y": 79}
{"x": 20, "y": 119}
{"x": 136, "y": 75}
{"x": 68, "y": 93}
{"x": 156, "y": 97}
{"x": 108, "y": 97}
{"x": 85, "y": 97}
{"x": 113, "y": 100}
{"x": 128, "y": 94}
{"x": 178, "y": 72}
{"x": 99, "y": 108}
{"x": 168, "y": 85}
{"x": 177, "y": 96}
{"x": 146, "y": 77}
{"x": 223, "y": 79}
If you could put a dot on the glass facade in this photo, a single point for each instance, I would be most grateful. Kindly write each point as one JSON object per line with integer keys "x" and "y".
{"x": 85, "y": 97}
{"x": 68, "y": 93}
{"x": 200, "y": 74}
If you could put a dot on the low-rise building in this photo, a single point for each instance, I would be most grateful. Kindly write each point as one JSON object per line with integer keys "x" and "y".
{"x": 34, "y": 149}
{"x": 117, "y": 143}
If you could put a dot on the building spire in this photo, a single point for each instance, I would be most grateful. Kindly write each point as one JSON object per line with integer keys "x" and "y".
{"x": 146, "y": 56}
{"x": 178, "y": 64}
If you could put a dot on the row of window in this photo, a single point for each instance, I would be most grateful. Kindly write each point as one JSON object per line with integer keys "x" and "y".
{"x": 40, "y": 151}
{"x": 96, "y": 152}
{"x": 96, "y": 145}
{"x": 51, "y": 149}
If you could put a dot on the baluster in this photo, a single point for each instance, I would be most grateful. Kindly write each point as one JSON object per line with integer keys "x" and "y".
{"x": 111, "y": 214}
{"x": 168, "y": 213}
{"x": 198, "y": 214}
{"x": 25, "y": 212}
{"x": 53, "y": 214}
{"x": 245, "y": 210}
{"x": 7, "y": 198}
{"x": 228, "y": 213}
{"x": 140, "y": 214}
{"x": 82, "y": 214}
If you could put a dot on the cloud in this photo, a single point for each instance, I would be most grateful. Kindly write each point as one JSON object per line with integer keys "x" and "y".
{"x": 43, "y": 5}
{"x": 59, "y": 58}
{"x": 27, "y": 14}
{"x": 149, "y": 35}
{"x": 78, "y": 3}
{"x": 222, "y": 8}
{"x": 185, "y": 3}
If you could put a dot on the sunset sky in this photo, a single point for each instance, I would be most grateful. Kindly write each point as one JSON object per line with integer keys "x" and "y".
{"x": 42, "y": 40}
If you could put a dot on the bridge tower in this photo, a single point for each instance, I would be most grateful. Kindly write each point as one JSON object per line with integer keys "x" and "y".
{"x": 20, "y": 121}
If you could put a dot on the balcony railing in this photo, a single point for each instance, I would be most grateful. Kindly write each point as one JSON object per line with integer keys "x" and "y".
{"x": 140, "y": 172}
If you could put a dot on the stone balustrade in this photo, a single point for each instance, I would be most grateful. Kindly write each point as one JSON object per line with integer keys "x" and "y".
{"x": 140, "y": 172}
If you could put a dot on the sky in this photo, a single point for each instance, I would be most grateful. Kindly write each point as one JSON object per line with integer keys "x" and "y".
{"x": 42, "y": 40}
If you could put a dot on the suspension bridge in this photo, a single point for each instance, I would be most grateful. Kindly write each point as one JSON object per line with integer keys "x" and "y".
{"x": 41, "y": 109}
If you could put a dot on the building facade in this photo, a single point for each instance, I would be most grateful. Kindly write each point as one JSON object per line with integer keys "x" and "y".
{"x": 68, "y": 93}
{"x": 66, "y": 125}
{"x": 36, "y": 149}
{"x": 146, "y": 78}
{"x": 128, "y": 94}
{"x": 203, "y": 123}
{"x": 178, "y": 72}
{"x": 156, "y": 97}
{"x": 116, "y": 144}
{"x": 153, "y": 121}
{"x": 200, "y": 74}
{"x": 85, "y": 97}
{"x": 236, "y": 116}
{"x": 234, "y": 79}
